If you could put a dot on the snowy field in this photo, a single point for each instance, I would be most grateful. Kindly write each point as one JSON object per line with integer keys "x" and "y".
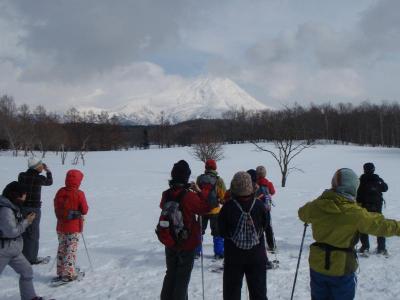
{"x": 123, "y": 191}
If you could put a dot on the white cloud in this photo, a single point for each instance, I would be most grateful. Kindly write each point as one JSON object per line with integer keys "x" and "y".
{"x": 98, "y": 53}
{"x": 105, "y": 90}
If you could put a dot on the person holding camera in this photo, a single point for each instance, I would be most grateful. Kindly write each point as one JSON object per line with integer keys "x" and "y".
{"x": 70, "y": 207}
{"x": 179, "y": 257}
{"x": 32, "y": 182}
{"x": 12, "y": 225}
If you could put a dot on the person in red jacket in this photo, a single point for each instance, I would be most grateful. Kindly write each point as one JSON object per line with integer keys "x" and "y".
{"x": 265, "y": 193}
{"x": 70, "y": 207}
{"x": 180, "y": 258}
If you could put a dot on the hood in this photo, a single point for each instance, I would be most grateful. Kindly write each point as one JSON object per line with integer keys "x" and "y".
{"x": 333, "y": 203}
{"x": 345, "y": 182}
{"x": 4, "y": 202}
{"x": 73, "y": 179}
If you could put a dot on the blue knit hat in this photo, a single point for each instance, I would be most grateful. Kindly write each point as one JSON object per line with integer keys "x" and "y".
{"x": 346, "y": 182}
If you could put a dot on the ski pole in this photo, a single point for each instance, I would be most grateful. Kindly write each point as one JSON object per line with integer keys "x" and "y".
{"x": 201, "y": 254}
{"x": 298, "y": 261}
{"x": 87, "y": 252}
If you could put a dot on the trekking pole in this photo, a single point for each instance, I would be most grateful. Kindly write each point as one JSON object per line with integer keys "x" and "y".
{"x": 201, "y": 254}
{"x": 87, "y": 252}
{"x": 52, "y": 265}
{"x": 298, "y": 261}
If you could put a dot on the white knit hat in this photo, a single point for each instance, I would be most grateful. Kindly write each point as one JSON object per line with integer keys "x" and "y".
{"x": 33, "y": 162}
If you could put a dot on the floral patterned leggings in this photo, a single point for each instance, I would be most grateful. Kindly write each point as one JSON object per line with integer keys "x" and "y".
{"x": 66, "y": 254}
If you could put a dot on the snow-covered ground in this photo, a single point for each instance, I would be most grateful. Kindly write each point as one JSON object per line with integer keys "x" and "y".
{"x": 123, "y": 191}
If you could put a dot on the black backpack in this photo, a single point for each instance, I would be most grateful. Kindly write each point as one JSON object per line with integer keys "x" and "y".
{"x": 171, "y": 230}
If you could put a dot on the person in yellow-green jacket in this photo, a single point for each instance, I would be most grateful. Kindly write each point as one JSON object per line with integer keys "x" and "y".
{"x": 336, "y": 222}
{"x": 214, "y": 187}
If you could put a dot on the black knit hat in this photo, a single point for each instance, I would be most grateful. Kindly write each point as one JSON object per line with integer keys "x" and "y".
{"x": 13, "y": 190}
{"x": 253, "y": 175}
{"x": 369, "y": 168}
{"x": 180, "y": 172}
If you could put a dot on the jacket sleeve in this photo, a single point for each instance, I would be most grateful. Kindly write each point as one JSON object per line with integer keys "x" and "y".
{"x": 83, "y": 207}
{"x": 58, "y": 210}
{"x": 383, "y": 185}
{"x": 376, "y": 224}
{"x": 9, "y": 228}
{"x": 221, "y": 190}
{"x": 46, "y": 180}
{"x": 271, "y": 188}
{"x": 305, "y": 213}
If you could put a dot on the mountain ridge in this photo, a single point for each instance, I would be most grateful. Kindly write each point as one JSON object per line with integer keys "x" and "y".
{"x": 203, "y": 98}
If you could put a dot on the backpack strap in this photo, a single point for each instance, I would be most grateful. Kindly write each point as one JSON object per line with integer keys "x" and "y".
{"x": 178, "y": 198}
{"x": 240, "y": 207}
{"x": 328, "y": 249}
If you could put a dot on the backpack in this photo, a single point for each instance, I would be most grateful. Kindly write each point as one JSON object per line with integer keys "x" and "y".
{"x": 171, "y": 230}
{"x": 63, "y": 209}
{"x": 208, "y": 185}
{"x": 264, "y": 195}
{"x": 245, "y": 236}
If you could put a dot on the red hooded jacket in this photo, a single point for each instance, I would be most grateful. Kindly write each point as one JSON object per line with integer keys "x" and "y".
{"x": 265, "y": 182}
{"x": 70, "y": 198}
{"x": 192, "y": 204}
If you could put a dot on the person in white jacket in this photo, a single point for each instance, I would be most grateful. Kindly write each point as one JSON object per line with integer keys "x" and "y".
{"x": 12, "y": 225}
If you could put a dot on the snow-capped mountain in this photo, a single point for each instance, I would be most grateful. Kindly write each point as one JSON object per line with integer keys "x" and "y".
{"x": 206, "y": 98}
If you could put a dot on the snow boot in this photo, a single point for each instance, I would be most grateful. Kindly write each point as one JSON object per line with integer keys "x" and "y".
{"x": 218, "y": 247}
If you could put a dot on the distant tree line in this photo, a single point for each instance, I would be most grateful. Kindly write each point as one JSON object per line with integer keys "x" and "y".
{"x": 24, "y": 130}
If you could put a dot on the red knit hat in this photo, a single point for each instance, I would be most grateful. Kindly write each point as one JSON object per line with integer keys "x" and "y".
{"x": 211, "y": 164}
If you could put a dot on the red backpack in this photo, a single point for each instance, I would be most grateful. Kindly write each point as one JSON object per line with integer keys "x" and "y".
{"x": 208, "y": 185}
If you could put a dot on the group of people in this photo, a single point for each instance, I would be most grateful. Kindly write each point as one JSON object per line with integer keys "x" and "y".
{"x": 240, "y": 221}
{"x": 238, "y": 218}
{"x": 345, "y": 213}
{"x": 20, "y": 214}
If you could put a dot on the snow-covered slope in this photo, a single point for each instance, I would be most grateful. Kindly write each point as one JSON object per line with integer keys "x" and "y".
{"x": 203, "y": 98}
{"x": 123, "y": 190}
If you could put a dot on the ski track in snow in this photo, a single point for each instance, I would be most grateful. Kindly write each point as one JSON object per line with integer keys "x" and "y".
{"x": 123, "y": 190}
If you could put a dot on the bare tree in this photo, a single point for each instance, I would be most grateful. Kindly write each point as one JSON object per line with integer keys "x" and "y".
{"x": 288, "y": 149}
{"x": 63, "y": 154}
{"x": 81, "y": 153}
{"x": 208, "y": 150}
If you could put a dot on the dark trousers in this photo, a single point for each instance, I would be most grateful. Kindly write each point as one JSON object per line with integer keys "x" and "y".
{"x": 31, "y": 235}
{"x": 325, "y": 287}
{"x": 218, "y": 241}
{"x": 213, "y": 224}
{"x": 177, "y": 277}
{"x": 269, "y": 233}
{"x": 364, "y": 238}
{"x": 256, "y": 277}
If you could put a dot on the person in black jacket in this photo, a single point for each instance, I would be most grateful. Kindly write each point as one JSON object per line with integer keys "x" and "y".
{"x": 369, "y": 195}
{"x": 32, "y": 182}
{"x": 245, "y": 254}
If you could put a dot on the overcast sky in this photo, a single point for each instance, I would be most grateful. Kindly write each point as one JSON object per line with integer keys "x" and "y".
{"x": 98, "y": 53}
